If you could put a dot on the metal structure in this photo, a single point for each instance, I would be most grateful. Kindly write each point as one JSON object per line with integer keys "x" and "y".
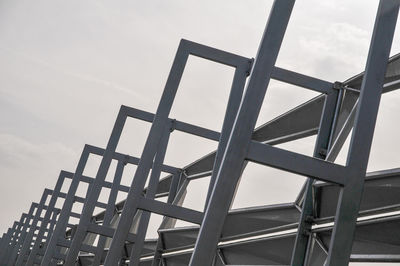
{"x": 332, "y": 222}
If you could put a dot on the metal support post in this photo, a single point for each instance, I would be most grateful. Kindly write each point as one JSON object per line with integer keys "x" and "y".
{"x": 170, "y": 222}
{"x": 24, "y": 233}
{"x": 28, "y": 239}
{"x": 66, "y": 209}
{"x": 160, "y": 120}
{"x": 325, "y": 132}
{"x": 235, "y": 98}
{"x": 6, "y": 245}
{"x": 361, "y": 140}
{"x": 236, "y": 151}
{"x": 95, "y": 187}
{"x": 110, "y": 210}
{"x": 147, "y": 157}
{"x": 150, "y": 194}
{"x": 46, "y": 219}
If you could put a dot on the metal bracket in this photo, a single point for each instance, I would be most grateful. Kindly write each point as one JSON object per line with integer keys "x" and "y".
{"x": 337, "y": 85}
{"x": 323, "y": 152}
{"x": 351, "y": 89}
{"x": 250, "y": 66}
{"x": 307, "y": 228}
{"x": 173, "y": 125}
{"x": 309, "y": 219}
{"x": 340, "y": 86}
{"x": 126, "y": 159}
{"x": 306, "y": 232}
{"x": 184, "y": 173}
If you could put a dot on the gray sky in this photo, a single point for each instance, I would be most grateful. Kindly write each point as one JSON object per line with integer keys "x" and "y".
{"x": 67, "y": 66}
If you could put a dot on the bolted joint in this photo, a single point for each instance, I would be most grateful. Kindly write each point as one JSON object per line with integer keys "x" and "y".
{"x": 323, "y": 152}
{"x": 306, "y": 232}
{"x": 337, "y": 85}
{"x": 173, "y": 125}
{"x": 183, "y": 172}
{"x": 309, "y": 219}
{"x": 249, "y": 67}
{"x": 306, "y": 228}
{"x": 125, "y": 161}
{"x": 340, "y": 86}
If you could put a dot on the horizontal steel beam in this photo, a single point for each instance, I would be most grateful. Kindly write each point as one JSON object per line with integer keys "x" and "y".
{"x": 213, "y": 54}
{"x": 375, "y": 258}
{"x": 301, "y": 80}
{"x": 107, "y": 231}
{"x": 170, "y": 210}
{"x": 297, "y": 163}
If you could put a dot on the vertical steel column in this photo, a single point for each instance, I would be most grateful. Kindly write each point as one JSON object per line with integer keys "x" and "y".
{"x": 2, "y": 243}
{"x": 52, "y": 224}
{"x": 235, "y": 97}
{"x": 109, "y": 213}
{"x": 146, "y": 159}
{"x": 95, "y": 187}
{"x": 14, "y": 235}
{"x": 46, "y": 218}
{"x": 342, "y": 135}
{"x": 27, "y": 230}
{"x": 361, "y": 140}
{"x": 37, "y": 256}
{"x": 2, "y": 239}
{"x": 6, "y": 244}
{"x": 150, "y": 193}
{"x": 66, "y": 209}
{"x": 10, "y": 233}
{"x": 236, "y": 151}
{"x": 166, "y": 223}
{"x": 14, "y": 247}
{"x": 322, "y": 144}
{"x": 28, "y": 239}
{"x": 173, "y": 189}
{"x": 22, "y": 226}
{"x": 4, "y": 255}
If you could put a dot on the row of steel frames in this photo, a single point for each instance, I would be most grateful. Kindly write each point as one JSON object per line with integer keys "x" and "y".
{"x": 44, "y": 236}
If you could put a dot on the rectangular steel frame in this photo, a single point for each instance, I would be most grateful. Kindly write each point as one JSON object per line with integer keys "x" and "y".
{"x": 24, "y": 233}
{"x": 235, "y": 148}
{"x": 57, "y": 239}
{"x": 240, "y": 146}
{"x": 156, "y": 145}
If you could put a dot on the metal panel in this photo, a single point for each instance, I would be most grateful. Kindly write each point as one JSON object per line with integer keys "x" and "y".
{"x": 381, "y": 190}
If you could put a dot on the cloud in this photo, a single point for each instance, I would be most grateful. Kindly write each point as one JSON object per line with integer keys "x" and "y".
{"x": 14, "y": 149}
{"x": 67, "y": 66}
{"x": 26, "y": 167}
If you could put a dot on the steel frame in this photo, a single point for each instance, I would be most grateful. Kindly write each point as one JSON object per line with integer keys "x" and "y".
{"x": 104, "y": 230}
{"x": 57, "y": 238}
{"x": 39, "y": 246}
{"x": 351, "y": 177}
{"x": 156, "y": 145}
{"x": 26, "y": 241}
{"x": 23, "y": 233}
{"x": 342, "y": 107}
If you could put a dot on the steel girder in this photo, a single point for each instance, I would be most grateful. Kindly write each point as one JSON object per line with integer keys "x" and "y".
{"x": 316, "y": 229}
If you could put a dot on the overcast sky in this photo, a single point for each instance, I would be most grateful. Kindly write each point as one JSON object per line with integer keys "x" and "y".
{"x": 67, "y": 66}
